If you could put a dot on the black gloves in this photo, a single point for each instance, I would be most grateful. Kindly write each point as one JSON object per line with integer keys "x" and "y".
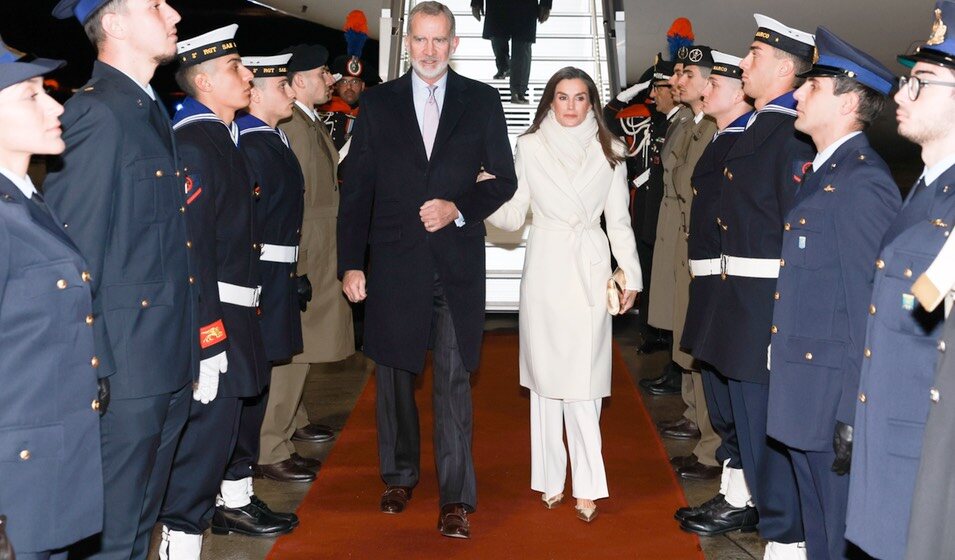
{"x": 542, "y": 14}
{"x": 477, "y": 12}
{"x": 103, "y": 395}
{"x": 842, "y": 445}
{"x": 6, "y": 547}
{"x": 304, "y": 290}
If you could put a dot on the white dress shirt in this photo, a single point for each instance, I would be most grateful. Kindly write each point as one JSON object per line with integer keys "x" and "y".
{"x": 823, "y": 156}
{"x": 22, "y": 182}
{"x": 307, "y": 110}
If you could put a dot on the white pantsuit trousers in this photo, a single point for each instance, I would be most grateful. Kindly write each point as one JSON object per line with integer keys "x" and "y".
{"x": 549, "y": 417}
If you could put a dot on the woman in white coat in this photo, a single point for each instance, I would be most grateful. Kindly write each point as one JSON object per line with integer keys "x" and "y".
{"x": 570, "y": 171}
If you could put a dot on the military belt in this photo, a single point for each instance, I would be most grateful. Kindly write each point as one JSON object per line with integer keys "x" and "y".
{"x": 750, "y": 268}
{"x": 705, "y": 267}
{"x": 279, "y": 253}
{"x": 239, "y": 295}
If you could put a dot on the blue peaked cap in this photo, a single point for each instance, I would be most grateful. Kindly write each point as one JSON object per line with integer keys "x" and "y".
{"x": 836, "y": 57}
{"x": 80, "y": 9}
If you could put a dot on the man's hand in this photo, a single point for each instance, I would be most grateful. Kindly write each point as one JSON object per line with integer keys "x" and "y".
{"x": 842, "y": 445}
{"x": 477, "y": 12}
{"x": 102, "y": 394}
{"x": 353, "y": 284}
{"x": 209, "y": 370}
{"x": 437, "y": 213}
{"x": 627, "y": 300}
{"x": 304, "y": 291}
{"x": 542, "y": 14}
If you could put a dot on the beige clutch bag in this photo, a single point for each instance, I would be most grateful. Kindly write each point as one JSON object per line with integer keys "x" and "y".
{"x": 615, "y": 287}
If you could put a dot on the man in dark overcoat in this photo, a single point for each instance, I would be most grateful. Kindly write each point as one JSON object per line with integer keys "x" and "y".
{"x": 511, "y": 25}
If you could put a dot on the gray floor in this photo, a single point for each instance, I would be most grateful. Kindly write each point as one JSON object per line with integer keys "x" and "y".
{"x": 331, "y": 393}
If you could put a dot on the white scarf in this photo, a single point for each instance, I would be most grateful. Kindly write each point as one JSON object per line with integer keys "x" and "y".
{"x": 569, "y": 144}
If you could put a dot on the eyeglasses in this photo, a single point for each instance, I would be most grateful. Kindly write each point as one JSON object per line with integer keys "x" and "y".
{"x": 349, "y": 82}
{"x": 914, "y": 85}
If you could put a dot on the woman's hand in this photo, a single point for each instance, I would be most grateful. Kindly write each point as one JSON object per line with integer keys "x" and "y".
{"x": 628, "y": 298}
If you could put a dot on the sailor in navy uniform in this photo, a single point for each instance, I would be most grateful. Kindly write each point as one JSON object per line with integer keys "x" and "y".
{"x": 222, "y": 203}
{"x": 760, "y": 177}
{"x": 723, "y": 100}
{"x": 831, "y": 237}
{"x": 278, "y": 175}
{"x": 901, "y": 339}
{"x": 119, "y": 195}
{"x": 51, "y": 485}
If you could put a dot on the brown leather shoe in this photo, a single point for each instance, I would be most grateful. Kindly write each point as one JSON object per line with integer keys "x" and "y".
{"x": 285, "y": 471}
{"x": 681, "y": 461}
{"x": 684, "y": 430}
{"x": 306, "y": 462}
{"x": 453, "y": 522}
{"x": 395, "y": 498}
{"x": 699, "y": 471}
{"x": 314, "y": 433}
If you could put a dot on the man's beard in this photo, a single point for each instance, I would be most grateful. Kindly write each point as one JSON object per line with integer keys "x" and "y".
{"x": 439, "y": 70}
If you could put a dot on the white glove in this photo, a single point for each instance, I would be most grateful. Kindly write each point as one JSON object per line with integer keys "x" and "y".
{"x": 632, "y": 91}
{"x": 209, "y": 371}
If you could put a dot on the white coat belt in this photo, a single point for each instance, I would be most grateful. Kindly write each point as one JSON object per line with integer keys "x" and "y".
{"x": 750, "y": 268}
{"x": 239, "y": 295}
{"x": 279, "y": 253}
{"x": 580, "y": 230}
{"x": 705, "y": 267}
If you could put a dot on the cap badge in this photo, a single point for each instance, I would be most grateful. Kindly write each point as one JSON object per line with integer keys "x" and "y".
{"x": 695, "y": 55}
{"x": 815, "y": 55}
{"x": 938, "y": 29}
{"x": 681, "y": 54}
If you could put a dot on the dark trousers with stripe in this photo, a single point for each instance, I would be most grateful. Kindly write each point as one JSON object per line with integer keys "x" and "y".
{"x": 399, "y": 439}
{"x": 720, "y": 408}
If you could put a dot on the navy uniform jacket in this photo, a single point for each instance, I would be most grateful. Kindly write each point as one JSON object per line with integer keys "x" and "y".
{"x": 386, "y": 182}
{"x": 120, "y": 197}
{"x": 703, "y": 242}
{"x": 279, "y": 210}
{"x": 897, "y": 372}
{"x": 51, "y": 478}
{"x": 760, "y": 177}
{"x": 222, "y": 217}
{"x": 511, "y": 19}
{"x": 830, "y": 240}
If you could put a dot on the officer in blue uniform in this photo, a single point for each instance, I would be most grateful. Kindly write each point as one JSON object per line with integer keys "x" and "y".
{"x": 760, "y": 177}
{"x": 831, "y": 237}
{"x": 51, "y": 486}
{"x": 723, "y": 100}
{"x": 119, "y": 195}
{"x": 280, "y": 208}
{"x": 222, "y": 199}
{"x": 900, "y": 350}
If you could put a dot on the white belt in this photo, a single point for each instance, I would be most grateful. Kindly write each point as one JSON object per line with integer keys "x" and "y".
{"x": 750, "y": 268}
{"x": 279, "y": 253}
{"x": 239, "y": 295}
{"x": 705, "y": 267}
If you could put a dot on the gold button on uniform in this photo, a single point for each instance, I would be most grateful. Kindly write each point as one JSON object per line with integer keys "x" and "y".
{"x": 291, "y": 275}
{"x": 61, "y": 284}
{"x": 907, "y": 273}
{"x": 188, "y": 244}
{"x": 880, "y": 264}
{"x": 255, "y": 246}
{"x": 723, "y": 276}
{"x": 776, "y": 296}
{"x": 774, "y": 330}
{"x": 144, "y": 303}
{"x": 192, "y": 280}
{"x": 182, "y": 209}
{"x": 89, "y": 320}
{"x": 159, "y": 173}
{"x": 95, "y": 405}
{"x": 941, "y": 346}
{"x": 25, "y": 455}
{"x": 934, "y": 395}
{"x": 867, "y": 353}
{"x": 788, "y": 226}
{"x": 782, "y": 262}
{"x": 802, "y": 221}
{"x": 861, "y": 397}
{"x": 809, "y": 355}
{"x": 86, "y": 276}
{"x": 94, "y": 361}
{"x": 872, "y": 309}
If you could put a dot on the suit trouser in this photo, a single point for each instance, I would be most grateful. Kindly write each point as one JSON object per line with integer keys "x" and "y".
{"x": 720, "y": 409}
{"x": 279, "y": 421}
{"x": 520, "y": 61}
{"x": 549, "y": 417}
{"x": 766, "y": 465}
{"x": 692, "y": 389}
{"x": 246, "y": 451}
{"x": 399, "y": 439}
{"x": 139, "y": 442}
{"x": 204, "y": 451}
{"x": 824, "y": 496}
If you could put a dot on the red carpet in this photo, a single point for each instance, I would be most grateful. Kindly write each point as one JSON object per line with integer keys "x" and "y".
{"x": 340, "y": 517}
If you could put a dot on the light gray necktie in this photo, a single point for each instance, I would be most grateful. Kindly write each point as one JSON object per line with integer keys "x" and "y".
{"x": 429, "y": 125}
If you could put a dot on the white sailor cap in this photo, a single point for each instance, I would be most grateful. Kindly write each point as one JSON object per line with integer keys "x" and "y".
{"x": 726, "y": 65}
{"x": 267, "y": 66}
{"x": 793, "y": 41}
{"x": 216, "y": 43}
